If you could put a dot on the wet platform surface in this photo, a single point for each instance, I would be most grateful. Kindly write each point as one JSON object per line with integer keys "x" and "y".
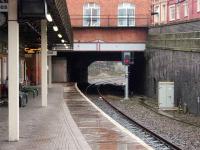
{"x": 44, "y": 128}
{"x": 99, "y": 132}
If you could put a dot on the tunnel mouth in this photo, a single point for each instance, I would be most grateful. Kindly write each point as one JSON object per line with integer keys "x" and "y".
{"x": 79, "y": 69}
{"x": 110, "y": 75}
{"x": 106, "y": 72}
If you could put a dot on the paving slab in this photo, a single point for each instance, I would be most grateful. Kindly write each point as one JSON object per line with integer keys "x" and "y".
{"x": 44, "y": 128}
{"x": 100, "y": 132}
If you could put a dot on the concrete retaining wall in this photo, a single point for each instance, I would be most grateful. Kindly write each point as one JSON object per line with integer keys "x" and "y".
{"x": 187, "y": 26}
{"x": 174, "y": 57}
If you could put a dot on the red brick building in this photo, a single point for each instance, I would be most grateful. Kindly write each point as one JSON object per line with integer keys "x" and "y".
{"x": 102, "y": 25}
{"x": 173, "y": 11}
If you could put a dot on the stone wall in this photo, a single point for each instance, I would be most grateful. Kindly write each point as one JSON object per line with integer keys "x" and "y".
{"x": 185, "y": 41}
{"x": 187, "y": 26}
{"x": 175, "y": 57}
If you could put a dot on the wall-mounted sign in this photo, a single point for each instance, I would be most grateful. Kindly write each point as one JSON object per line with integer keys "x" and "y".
{"x": 2, "y": 19}
{"x": 3, "y": 7}
{"x": 32, "y": 50}
{"x": 52, "y": 53}
{"x": 31, "y": 9}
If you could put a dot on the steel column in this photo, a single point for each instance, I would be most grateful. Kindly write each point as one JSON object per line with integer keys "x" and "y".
{"x": 44, "y": 62}
{"x": 13, "y": 72}
{"x": 126, "y": 86}
{"x": 37, "y": 68}
{"x": 50, "y": 71}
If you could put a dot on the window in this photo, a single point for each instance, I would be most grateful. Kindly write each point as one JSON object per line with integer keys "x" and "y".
{"x": 185, "y": 8}
{"x": 126, "y": 14}
{"x": 163, "y": 13}
{"x": 198, "y": 5}
{"x": 157, "y": 14}
{"x": 91, "y": 14}
{"x": 171, "y": 12}
{"x": 178, "y": 11}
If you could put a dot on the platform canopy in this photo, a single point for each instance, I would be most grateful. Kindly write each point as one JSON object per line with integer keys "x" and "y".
{"x": 30, "y": 32}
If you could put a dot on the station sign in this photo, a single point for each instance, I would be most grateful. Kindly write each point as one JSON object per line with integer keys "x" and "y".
{"x": 3, "y": 7}
{"x": 35, "y": 50}
{"x": 52, "y": 53}
{"x": 31, "y": 9}
{"x": 32, "y": 50}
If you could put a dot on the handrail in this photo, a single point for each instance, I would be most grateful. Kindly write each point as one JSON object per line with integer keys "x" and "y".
{"x": 110, "y": 21}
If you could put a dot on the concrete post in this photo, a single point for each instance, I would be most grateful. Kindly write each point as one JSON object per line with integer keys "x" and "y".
{"x": 36, "y": 68}
{"x": 50, "y": 71}
{"x": 44, "y": 62}
{"x": 13, "y": 72}
{"x": 4, "y": 68}
{"x": 25, "y": 75}
{"x": 0, "y": 73}
{"x": 126, "y": 86}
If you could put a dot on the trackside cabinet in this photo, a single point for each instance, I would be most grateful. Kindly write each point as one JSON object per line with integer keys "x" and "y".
{"x": 166, "y": 95}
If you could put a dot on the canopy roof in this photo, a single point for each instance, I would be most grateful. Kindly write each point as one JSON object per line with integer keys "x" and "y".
{"x": 30, "y": 30}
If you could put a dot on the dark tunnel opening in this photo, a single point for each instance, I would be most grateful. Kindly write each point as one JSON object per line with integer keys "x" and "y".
{"x": 77, "y": 64}
{"x": 137, "y": 74}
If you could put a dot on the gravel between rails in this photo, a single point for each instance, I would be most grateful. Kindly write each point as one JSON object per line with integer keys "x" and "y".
{"x": 184, "y": 136}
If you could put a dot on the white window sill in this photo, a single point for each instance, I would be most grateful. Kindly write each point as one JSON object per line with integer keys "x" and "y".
{"x": 172, "y": 19}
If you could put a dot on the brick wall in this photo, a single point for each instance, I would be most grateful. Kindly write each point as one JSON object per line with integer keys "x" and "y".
{"x": 108, "y": 7}
{"x": 193, "y": 13}
{"x": 108, "y": 34}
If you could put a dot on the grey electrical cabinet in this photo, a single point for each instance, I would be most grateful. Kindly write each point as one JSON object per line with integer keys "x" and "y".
{"x": 166, "y": 95}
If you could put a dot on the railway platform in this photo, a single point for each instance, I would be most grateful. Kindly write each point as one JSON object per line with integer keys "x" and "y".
{"x": 100, "y": 130}
{"x": 44, "y": 128}
{"x": 70, "y": 122}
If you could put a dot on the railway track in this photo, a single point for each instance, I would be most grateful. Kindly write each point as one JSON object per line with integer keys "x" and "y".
{"x": 93, "y": 91}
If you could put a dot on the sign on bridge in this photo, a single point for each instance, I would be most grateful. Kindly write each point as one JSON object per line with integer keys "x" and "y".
{"x": 3, "y": 7}
{"x": 127, "y": 58}
{"x": 52, "y": 53}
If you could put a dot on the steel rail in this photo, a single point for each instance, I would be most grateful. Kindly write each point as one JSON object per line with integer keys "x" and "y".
{"x": 156, "y": 136}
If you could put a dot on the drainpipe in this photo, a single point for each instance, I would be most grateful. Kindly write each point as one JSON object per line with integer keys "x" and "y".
{"x": 198, "y": 102}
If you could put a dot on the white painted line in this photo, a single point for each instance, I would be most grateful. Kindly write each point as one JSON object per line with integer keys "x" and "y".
{"x": 115, "y": 122}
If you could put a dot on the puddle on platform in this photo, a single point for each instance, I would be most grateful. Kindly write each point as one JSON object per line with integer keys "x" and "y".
{"x": 99, "y": 132}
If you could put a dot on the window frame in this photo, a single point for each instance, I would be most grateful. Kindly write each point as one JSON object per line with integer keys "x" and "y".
{"x": 185, "y": 9}
{"x": 89, "y": 20}
{"x": 178, "y": 7}
{"x": 198, "y": 5}
{"x": 157, "y": 16}
{"x": 127, "y": 21}
{"x": 163, "y": 13}
{"x": 170, "y": 13}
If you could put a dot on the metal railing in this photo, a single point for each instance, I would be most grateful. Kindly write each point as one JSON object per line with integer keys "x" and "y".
{"x": 109, "y": 21}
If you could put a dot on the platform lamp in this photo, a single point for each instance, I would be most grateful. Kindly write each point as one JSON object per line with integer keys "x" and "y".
{"x": 55, "y": 28}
